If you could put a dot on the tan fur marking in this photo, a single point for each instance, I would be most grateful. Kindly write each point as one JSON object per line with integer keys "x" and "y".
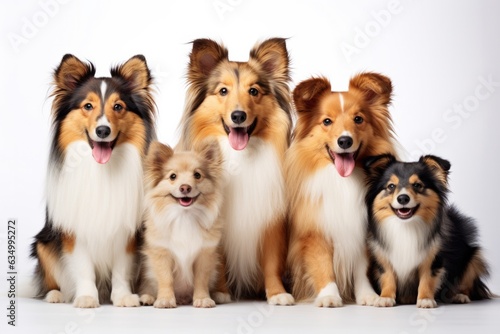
{"x": 203, "y": 268}
{"x": 162, "y": 263}
{"x": 387, "y": 280}
{"x": 68, "y": 243}
{"x": 428, "y": 283}
{"x": 316, "y": 265}
{"x": 475, "y": 269}
{"x": 273, "y": 257}
{"x": 131, "y": 245}
{"x": 48, "y": 261}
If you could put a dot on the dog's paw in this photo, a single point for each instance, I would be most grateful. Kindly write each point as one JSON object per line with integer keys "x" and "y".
{"x": 147, "y": 299}
{"x": 426, "y": 303}
{"x": 165, "y": 303}
{"x": 460, "y": 298}
{"x": 384, "y": 302}
{"x": 368, "y": 299}
{"x": 222, "y": 297}
{"x": 54, "y": 296}
{"x": 127, "y": 301}
{"x": 86, "y": 302}
{"x": 204, "y": 302}
{"x": 281, "y": 299}
{"x": 328, "y": 301}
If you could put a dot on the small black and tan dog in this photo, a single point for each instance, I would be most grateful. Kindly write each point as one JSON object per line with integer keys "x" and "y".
{"x": 422, "y": 248}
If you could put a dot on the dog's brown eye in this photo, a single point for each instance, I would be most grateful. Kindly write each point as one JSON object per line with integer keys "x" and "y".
{"x": 223, "y": 91}
{"x": 327, "y": 122}
{"x": 418, "y": 186}
{"x": 172, "y": 177}
{"x": 197, "y": 175}
{"x": 391, "y": 187}
{"x": 253, "y": 92}
{"x": 118, "y": 107}
{"x": 358, "y": 119}
{"x": 88, "y": 106}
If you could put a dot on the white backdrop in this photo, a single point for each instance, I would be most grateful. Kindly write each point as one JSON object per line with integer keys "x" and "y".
{"x": 443, "y": 58}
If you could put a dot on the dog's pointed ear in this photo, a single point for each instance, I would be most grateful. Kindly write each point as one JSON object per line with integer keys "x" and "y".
{"x": 205, "y": 55}
{"x": 376, "y": 165}
{"x": 307, "y": 93}
{"x": 210, "y": 151}
{"x": 440, "y": 167}
{"x": 375, "y": 88}
{"x": 273, "y": 58}
{"x": 158, "y": 155}
{"x": 72, "y": 72}
{"x": 134, "y": 72}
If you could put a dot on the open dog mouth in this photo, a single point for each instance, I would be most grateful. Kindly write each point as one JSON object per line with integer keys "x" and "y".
{"x": 344, "y": 162}
{"x": 186, "y": 201}
{"x": 101, "y": 150}
{"x": 239, "y": 136}
{"x": 405, "y": 213}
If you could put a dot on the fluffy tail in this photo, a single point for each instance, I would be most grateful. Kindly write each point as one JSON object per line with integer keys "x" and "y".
{"x": 481, "y": 291}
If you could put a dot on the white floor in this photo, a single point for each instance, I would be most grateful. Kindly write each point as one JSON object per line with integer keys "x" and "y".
{"x": 35, "y": 316}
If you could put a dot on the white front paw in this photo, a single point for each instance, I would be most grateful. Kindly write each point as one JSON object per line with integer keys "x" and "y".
{"x": 131, "y": 300}
{"x": 384, "y": 302}
{"x": 426, "y": 303}
{"x": 147, "y": 299}
{"x": 328, "y": 301}
{"x": 54, "y": 296}
{"x": 281, "y": 299}
{"x": 368, "y": 299}
{"x": 165, "y": 303}
{"x": 204, "y": 303}
{"x": 86, "y": 302}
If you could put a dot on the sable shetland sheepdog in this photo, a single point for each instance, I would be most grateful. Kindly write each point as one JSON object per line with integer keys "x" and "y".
{"x": 422, "y": 247}
{"x": 102, "y": 127}
{"x": 326, "y": 186}
{"x": 183, "y": 225}
{"x": 246, "y": 106}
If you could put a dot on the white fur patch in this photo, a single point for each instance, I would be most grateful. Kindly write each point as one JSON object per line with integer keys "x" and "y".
{"x": 405, "y": 243}
{"x": 180, "y": 231}
{"x": 100, "y": 204}
{"x": 342, "y": 217}
{"x": 104, "y": 87}
{"x": 254, "y": 197}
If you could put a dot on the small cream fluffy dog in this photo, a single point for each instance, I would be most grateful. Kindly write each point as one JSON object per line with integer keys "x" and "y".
{"x": 182, "y": 225}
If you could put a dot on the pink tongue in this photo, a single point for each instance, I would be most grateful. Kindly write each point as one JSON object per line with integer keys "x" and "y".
{"x": 238, "y": 138}
{"x": 344, "y": 163}
{"x": 185, "y": 201}
{"x": 102, "y": 152}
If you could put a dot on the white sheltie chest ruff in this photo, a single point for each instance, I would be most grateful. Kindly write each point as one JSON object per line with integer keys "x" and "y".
{"x": 342, "y": 218}
{"x": 100, "y": 204}
{"x": 254, "y": 198}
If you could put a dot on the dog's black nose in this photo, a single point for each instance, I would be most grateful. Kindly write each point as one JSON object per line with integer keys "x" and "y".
{"x": 403, "y": 199}
{"x": 185, "y": 189}
{"x": 103, "y": 131}
{"x": 238, "y": 116}
{"x": 344, "y": 142}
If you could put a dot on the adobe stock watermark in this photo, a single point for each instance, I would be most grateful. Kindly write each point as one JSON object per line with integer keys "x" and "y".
{"x": 222, "y": 7}
{"x": 454, "y": 116}
{"x": 255, "y": 319}
{"x": 32, "y": 24}
{"x": 363, "y": 36}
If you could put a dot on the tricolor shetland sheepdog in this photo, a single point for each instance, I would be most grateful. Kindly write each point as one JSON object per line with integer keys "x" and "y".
{"x": 326, "y": 186}
{"x": 86, "y": 252}
{"x": 182, "y": 224}
{"x": 423, "y": 249}
{"x": 246, "y": 106}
